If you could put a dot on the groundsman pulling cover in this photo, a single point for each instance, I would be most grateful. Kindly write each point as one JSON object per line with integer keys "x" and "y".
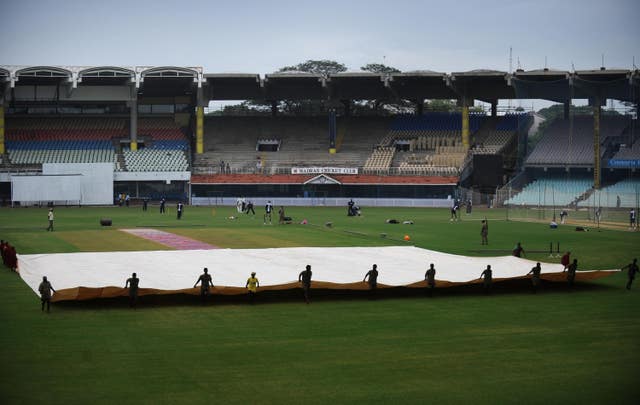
{"x": 83, "y": 276}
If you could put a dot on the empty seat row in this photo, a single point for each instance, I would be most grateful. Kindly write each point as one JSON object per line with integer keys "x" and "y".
{"x": 550, "y": 192}
{"x": 59, "y": 144}
{"x": 153, "y": 160}
{"x": 27, "y": 156}
{"x": 624, "y": 194}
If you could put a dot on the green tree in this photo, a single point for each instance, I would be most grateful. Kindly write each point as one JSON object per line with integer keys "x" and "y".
{"x": 323, "y": 67}
{"x": 379, "y": 68}
{"x": 442, "y": 105}
{"x": 382, "y": 106}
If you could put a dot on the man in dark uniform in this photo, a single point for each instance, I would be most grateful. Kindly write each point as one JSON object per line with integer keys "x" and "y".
{"x": 252, "y": 285}
{"x": 487, "y": 275}
{"x": 132, "y": 284}
{"x": 350, "y": 205}
{"x": 518, "y": 251}
{"x": 205, "y": 282}
{"x": 249, "y": 207}
{"x": 268, "y": 209}
{"x": 484, "y": 232}
{"x": 305, "y": 278}
{"x": 571, "y": 272}
{"x": 373, "y": 280}
{"x": 535, "y": 277}
{"x": 563, "y": 216}
{"x": 180, "y": 207}
{"x": 454, "y": 210}
{"x": 632, "y": 270}
{"x": 632, "y": 218}
{"x": 162, "y": 202}
{"x": 430, "y": 276}
{"x": 45, "y": 289}
{"x": 145, "y": 202}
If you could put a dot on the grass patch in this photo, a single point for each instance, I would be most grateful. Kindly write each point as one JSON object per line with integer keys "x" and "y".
{"x": 578, "y": 347}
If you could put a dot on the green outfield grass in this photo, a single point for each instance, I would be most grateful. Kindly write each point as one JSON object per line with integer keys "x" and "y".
{"x": 511, "y": 347}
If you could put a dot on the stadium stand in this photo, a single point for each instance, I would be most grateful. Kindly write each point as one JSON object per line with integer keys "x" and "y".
{"x": 34, "y": 141}
{"x": 570, "y": 142}
{"x": 302, "y": 142}
{"x": 551, "y": 191}
{"x": 629, "y": 152}
{"x": 627, "y": 190}
{"x": 155, "y": 160}
{"x": 428, "y": 144}
{"x": 431, "y": 144}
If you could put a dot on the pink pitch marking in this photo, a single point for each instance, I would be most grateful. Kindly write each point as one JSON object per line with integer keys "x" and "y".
{"x": 170, "y": 239}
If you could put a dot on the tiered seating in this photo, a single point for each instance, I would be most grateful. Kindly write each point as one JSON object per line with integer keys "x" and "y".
{"x": 154, "y": 160}
{"x": 303, "y": 141}
{"x": 629, "y": 152}
{"x": 436, "y": 121}
{"x": 39, "y": 156}
{"x": 492, "y": 142}
{"x": 160, "y": 128}
{"x": 438, "y": 134}
{"x": 427, "y": 163}
{"x": 59, "y": 145}
{"x": 62, "y": 140}
{"x": 627, "y": 190}
{"x": 552, "y": 191}
{"x": 513, "y": 122}
{"x": 163, "y": 133}
{"x": 380, "y": 159}
{"x": 570, "y": 142}
{"x": 165, "y": 148}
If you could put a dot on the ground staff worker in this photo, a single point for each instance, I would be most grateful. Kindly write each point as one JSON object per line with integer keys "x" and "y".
{"x": 252, "y": 285}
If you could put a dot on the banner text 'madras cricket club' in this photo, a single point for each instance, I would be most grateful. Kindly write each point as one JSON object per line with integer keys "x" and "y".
{"x": 324, "y": 170}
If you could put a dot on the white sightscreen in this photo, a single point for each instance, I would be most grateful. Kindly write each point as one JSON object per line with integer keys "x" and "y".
{"x": 44, "y": 188}
{"x": 97, "y": 180}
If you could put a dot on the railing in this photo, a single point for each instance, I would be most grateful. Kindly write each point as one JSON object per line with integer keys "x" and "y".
{"x": 325, "y": 201}
{"x": 392, "y": 171}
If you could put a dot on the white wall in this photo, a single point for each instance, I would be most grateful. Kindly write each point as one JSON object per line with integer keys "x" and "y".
{"x": 96, "y": 180}
{"x": 43, "y": 188}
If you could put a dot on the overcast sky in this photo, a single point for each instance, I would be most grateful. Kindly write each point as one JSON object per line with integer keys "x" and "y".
{"x": 262, "y": 36}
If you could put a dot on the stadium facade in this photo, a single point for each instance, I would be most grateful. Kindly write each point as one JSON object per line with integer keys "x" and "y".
{"x": 149, "y": 123}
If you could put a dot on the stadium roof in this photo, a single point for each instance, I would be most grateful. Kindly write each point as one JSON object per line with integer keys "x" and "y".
{"x": 487, "y": 85}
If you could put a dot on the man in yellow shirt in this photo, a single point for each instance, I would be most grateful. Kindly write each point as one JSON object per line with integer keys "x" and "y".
{"x": 252, "y": 285}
